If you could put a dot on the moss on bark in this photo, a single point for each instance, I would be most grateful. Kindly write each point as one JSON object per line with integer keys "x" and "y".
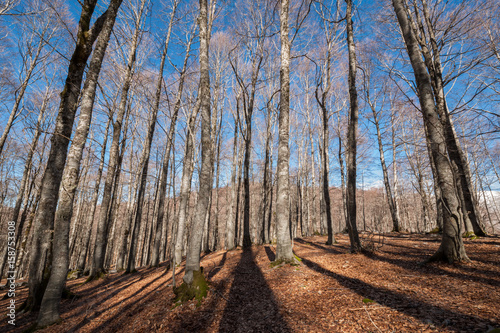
{"x": 196, "y": 290}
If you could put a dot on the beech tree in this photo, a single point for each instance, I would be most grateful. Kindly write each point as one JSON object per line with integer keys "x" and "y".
{"x": 283, "y": 237}
{"x": 49, "y": 312}
{"x": 41, "y": 249}
{"x": 352, "y": 135}
{"x": 205, "y": 175}
{"x": 451, "y": 248}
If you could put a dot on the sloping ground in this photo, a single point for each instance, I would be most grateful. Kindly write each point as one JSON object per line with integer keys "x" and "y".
{"x": 324, "y": 294}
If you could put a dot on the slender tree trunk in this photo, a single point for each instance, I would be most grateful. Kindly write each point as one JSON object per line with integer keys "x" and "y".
{"x": 230, "y": 222}
{"x": 351, "y": 137}
{"x": 390, "y": 198}
{"x": 97, "y": 267}
{"x": 93, "y": 205}
{"x": 23, "y": 187}
{"x": 144, "y": 163}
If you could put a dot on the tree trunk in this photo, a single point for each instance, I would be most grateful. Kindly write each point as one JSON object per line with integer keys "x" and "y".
{"x": 230, "y": 222}
{"x": 23, "y": 187}
{"x": 451, "y": 248}
{"x": 205, "y": 174}
{"x": 284, "y": 243}
{"x": 390, "y": 198}
{"x": 144, "y": 163}
{"x": 166, "y": 158}
{"x": 187, "y": 173}
{"x": 49, "y": 311}
{"x": 351, "y": 137}
{"x": 41, "y": 249}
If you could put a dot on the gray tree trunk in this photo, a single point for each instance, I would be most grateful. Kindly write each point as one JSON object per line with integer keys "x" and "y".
{"x": 187, "y": 173}
{"x": 284, "y": 243}
{"x": 390, "y": 198}
{"x": 41, "y": 249}
{"x": 49, "y": 311}
{"x": 230, "y": 222}
{"x": 451, "y": 248}
{"x": 352, "y": 227}
{"x": 80, "y": 265}
{"x": 205, "y": 175}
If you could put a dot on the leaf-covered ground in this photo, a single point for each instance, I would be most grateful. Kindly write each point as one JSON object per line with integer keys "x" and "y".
{"x": 331, "y": 291}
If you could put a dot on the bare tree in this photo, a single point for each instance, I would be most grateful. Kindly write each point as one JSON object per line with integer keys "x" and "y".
{"x": 41, "y": 252}
{"x": 351, "y": 135}
{"x": 97, "y": 266}
{"x": 451, "y": 248}
{"x": 205, "y": 174}
{"x": 284, "y": 242}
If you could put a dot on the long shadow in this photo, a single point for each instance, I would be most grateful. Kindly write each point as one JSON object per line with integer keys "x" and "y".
{"x": 416, "y": 308}
{"x": 318, "y": 246}
{"x": 217, "y": 269}
{"x": 96, "y": 314}
{"x": 270, "y": 254}
{"x": 251, "y": 306}
{"x": 412, "y": 265}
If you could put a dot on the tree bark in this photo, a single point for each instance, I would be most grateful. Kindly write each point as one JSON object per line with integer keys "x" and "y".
{"x": 187, "y": 173}
{"x": 230, "y": 222}
{"x": 205, "y": 175}
{"x": 451, "y": 248}
{"x": 351, "y": 136}
{"x": 284, "y": 243}
{"x": 49, "y": 311}
{"x": 41, "y": 249}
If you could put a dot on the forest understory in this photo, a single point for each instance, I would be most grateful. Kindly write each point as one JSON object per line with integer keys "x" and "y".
{"x": 330, "y": 290}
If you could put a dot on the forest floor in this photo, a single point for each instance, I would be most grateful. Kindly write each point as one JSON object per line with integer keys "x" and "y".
{"x": 330, "y": 291}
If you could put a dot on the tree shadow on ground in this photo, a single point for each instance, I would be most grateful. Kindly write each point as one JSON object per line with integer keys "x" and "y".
{"x": 318, "y": 246}
{"x": 407, "y": 305}
{"x": 432, "y": 269}
{"x": 217, "y": 269}
{"x": 93, "y": 315}
{"x": 251, "y": 306}
{"x": 270, "y": 254}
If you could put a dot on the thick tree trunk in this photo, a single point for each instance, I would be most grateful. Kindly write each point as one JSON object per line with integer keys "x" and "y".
{"x": 205, "y": 175}
{"x": 284, "y": 243}
{"x": 49, "y": 311}
{"x": 351, "y": 137}
{"x": 451, "y": 248}
{"x": 41, "y": 249}
{"x": 187, "y": 173}
{"x": 457, "y": 157}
